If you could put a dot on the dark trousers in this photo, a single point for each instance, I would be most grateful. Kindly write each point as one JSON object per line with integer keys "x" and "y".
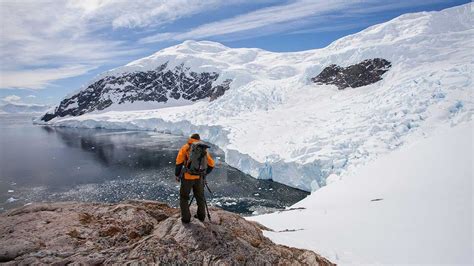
{"x": 197, "y": 186}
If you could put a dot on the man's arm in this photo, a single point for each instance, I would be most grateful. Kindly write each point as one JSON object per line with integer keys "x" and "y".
{"x": 178, "y": 169}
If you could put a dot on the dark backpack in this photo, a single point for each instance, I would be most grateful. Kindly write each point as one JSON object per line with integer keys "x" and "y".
{"x": 197, "y": 162}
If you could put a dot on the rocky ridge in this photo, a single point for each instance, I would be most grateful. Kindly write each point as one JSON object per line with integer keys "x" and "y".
{"x": 137, "y": 232}
{"x": 361, "y": 74}
{"x": 159, "y": 85}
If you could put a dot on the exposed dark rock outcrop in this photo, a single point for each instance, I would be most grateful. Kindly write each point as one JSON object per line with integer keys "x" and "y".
{"x": 137, "y": 232}
{"x": 157, "y": 85}
{"x": 364, "y": 73}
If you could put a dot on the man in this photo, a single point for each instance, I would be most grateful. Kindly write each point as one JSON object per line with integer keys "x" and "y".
{"x": 190, "y": 181}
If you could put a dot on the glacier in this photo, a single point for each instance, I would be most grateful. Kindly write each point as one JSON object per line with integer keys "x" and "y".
{"x": 275, "y": 123}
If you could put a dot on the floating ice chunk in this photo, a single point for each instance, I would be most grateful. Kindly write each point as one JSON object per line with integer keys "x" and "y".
{"x": 11, "y": 199}
{"x": 10, "y": 191}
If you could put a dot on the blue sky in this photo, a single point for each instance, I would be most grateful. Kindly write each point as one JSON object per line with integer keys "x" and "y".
{"x": 49, "y": 48}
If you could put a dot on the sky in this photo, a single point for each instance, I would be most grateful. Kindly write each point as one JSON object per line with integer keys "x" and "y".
{"x": 49, "y": 48}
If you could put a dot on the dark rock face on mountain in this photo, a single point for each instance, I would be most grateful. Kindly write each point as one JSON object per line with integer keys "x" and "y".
{"x": 157, "y": 85}
{"x": 364, "y": 73}
{"x": 143, "y": 232}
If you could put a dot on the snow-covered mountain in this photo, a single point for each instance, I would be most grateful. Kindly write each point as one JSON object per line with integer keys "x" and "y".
{"x": 194, "y": 71}
{"x": 295, "y": 117}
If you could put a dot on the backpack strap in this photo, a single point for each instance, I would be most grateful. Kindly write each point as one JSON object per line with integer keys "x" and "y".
{"x": 186, "y": 160}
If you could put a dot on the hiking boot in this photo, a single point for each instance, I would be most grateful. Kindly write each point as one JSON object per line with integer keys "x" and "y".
{"x": 196, "y": 216}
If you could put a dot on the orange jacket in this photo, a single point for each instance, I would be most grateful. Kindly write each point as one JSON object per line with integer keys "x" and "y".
{"x": 183, "y": 156}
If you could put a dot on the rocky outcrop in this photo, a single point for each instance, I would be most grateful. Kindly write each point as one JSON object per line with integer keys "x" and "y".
{"x": 364, "y": 73}
{"x": 159, "y": 85}
{"x": 137, "y": 232}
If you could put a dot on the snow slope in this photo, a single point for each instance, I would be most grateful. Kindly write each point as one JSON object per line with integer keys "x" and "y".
{"x": 274, "y": 123}
{"x": 413, "y": 206}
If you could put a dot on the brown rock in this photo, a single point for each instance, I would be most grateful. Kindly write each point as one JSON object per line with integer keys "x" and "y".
{"x": 137, "y": 232}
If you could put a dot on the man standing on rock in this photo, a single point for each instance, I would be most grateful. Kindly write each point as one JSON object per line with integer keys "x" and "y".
{"x": 193, "y": 163}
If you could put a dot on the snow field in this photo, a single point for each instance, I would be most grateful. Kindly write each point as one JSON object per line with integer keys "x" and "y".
{"x": 412, "y": 206}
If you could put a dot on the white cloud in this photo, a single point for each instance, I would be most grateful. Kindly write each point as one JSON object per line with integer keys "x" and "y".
{"x": 42, "y": 41}
{"x": 11, "y": 99}
{"x": 264, "y": 17}
{"x": 40, "y": 77}
{"x": 144, "y": 13}
{"x": 31, "y": 96}
{"x": 45, "y": 40}
{"x": 297, "y": 15}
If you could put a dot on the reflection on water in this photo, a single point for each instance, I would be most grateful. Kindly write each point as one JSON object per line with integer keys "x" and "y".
{"x": 41, "y": 163}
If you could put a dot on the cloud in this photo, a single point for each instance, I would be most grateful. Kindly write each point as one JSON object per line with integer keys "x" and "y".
{"x": 11, "y": 99}
{"x": 31, "y": 96}
{"x": 297, "y": 15}
{"x": 46, "y": 40}
{"x": 42, "y": 41}
{"x": 145, "y": 13}
{"x": 40, "y": 77}
{"x": 264, "y": 17}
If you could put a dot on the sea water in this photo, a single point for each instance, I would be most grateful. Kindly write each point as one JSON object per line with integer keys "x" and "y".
{"x": 44, "y": 164}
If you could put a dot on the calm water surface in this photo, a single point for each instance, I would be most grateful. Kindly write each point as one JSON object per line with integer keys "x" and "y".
{"x": 41, "y": 163}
